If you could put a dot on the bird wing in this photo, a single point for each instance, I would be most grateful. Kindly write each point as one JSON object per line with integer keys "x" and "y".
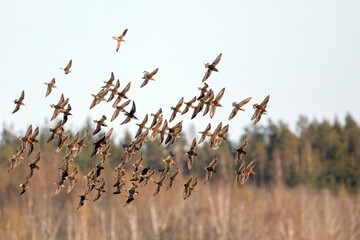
{"x": 22, "y": 96}
{"x": 68, "y": 66}
{"x": 233, "y": 113}
{"x": 207, "y": 75}
{"x": 245, "y": 101}
{"x": 153, "y": 73}
{"x": 123, "y": 34}
{"x": 213, "y": 162}
{"x": 217, "y": 60}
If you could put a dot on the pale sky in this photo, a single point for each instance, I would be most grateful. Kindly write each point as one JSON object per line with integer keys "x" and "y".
{"x": 304, "y": 54}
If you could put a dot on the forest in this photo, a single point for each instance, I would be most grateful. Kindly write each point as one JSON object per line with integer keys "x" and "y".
{"x": 317, "y": 163}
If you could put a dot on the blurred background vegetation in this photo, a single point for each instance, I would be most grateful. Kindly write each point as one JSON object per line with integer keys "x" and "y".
{"x": 302, "y": 178}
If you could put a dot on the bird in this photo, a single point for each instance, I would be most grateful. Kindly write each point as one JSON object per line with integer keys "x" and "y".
{"x": 205, "y": 133}
{"x": 141, "y": 125}
{"x": 24, "y": 186}
{"x": 203, "y": 90}
{"x": 82, "y": 200}
{"x": 71, "y": 146}
{"x": 98, "y": 144}
{"x": 210, "y": 170}
{"x": 15, "y": 159}
{"x": 100, "y": 96}
{"x": 67, "y": 68}
{"x": 211, "y": 67}
{"x": 33, "y": 140}
{"x": 33, "y": 166}
{"x": 176, "y": 109}
{"x": 66, "y": 113}
{"x": 172, "y": 179}
{"x": 192, "y": 188}
{"x": 50, "y": 86}
{"x": 173, "y": 133}
{"x": 168, "y": 161}
{"x": 26, "y": 138}
{"x": 240, "y": 151}
{"x": 159, "y": 184}
{"x": 122, "y": 95}
{"x": 19, "y": 102}
{"x": 240, "y": 171}
{"x": 191, "y": 154}
{"x": 216, "y": 102}
{"x": 120, "y": 39}
{"x": 260, "y": 109}
{"x": 119, "y": 109}
{"x": 130, "y": 115}
{"x": 238, "y": 106}
{"x": 81, "y": 143}
{"x": 100, "y": 123}
{"x": 188, "y": 105}
{"x": 248, "y": 170}
{"x": 155, "y": 117}
{"x": 186, "y": 188}
{"x": 148, "y": 76}
{"x": 113, "y": 91}
{"x": 144, "y": 179}
{"x": 63, "y": 137}
{"x": 155, "y": 129}
{"x": 56, "y": 130}
{"x": 162, "y": 132}
{"x": 59, "y": 107}
{"x": 100, "y": 190}
{"x": 109, "y": 83}
{"x": 72, "y": 179}
{"x": 216, "y": 140}
{"x": 131, "y": 192}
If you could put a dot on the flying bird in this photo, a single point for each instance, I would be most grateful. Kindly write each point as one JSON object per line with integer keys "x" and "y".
{"x": 210, "y": 170}
{"x": 50, "y": 86}
{"x": 67, "y": 68}
{"x": 238, "y": 106}
{"x": 211, "y": 67}
{"x": 120, "y": 39}
{"x": 148, "y": 76}
{"x": 130, "y": 115}
{"x": 260, "y": 109}
{"x": 240, "y": 151}
{"x": 19, "y": 102}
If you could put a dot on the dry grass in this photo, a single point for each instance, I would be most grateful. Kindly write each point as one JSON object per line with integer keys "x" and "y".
{"x": 214, "y": 211}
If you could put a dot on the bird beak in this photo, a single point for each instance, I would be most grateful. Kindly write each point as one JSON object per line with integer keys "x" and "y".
{"x": 173, "y": 162}
{"x": 251, "y": 171}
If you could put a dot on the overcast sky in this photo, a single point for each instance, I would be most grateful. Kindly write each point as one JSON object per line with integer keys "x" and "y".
{"x": 304, "y": 54}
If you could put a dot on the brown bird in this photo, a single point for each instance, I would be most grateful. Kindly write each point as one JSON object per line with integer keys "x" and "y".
{"x": 186, "y": 188}
{"x": 248, "y": 170}
{"x": 82, "y": 200}
{"x": 240, "y": 151}
{"x": 100, "y": 190}
{"x": 208, "y": 101}
{"x": 56, "y": 130}
{"x": 203, "y": 90}
{"x": 109, "y": 83}
{"x": 81, "y": 143}
{"x": 172, "y": 179}
{"x": 260, "y": 109}
{"x": 240, "y": 172}
{"x": 148, "y": 76}
{"x": 26, "y": 138}
{"x": 188, "y": 105}
{"x": 98, "y": 144}
{"x": 144, "y": 179}
{"x": 71, "y": 146}
{"x": 59, "y": 106}
{"x": 159, "y": 184}
{"x": 63, "y": 137}
{"x": 174, "y": 132}
{"x": 66, "y": 113}
{"x": 113, "y": 91}
{"x": 122, "y": 95}
{"x": 119, "y": 109}
{"x": 191, "y": 154}
{"x": 211, "y": 67}
{"x": 100, "y": 96}
{"x": 168, "y": 161}
{"x": 130, "y": 115}
{"x": 67, "y": 68}
{"x": 33, "y": 166}
{"x": 14, "y": 160}
{"x": 216, "y": 102}
{"x": 221, "y": 135}
{"x": 162, "y": 132}
{"x": 238, "y": 106}
{"x": 155, "y": 117}
{"x": 155, "y": 129}
{"x": 210, "y": 169}
{"x": 50, "y": 86}
{"x": 141, "y": 125}
{"x": 19, "y": 102}
{"x": 176, "y": 109}
{"x": 131, "y": 192}
{"x": 204, "y": 133}
{"x": 120, "y": 39}
{"x": 72, "y": 179}
{"x": 192, "y": 187}
{"x": 33, "y": 140}
{"x": 99, "y": 124}
{"x": 24, "y": 186}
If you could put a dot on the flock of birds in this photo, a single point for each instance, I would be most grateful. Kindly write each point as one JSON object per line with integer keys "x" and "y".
{"x": 159, "y": 127}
